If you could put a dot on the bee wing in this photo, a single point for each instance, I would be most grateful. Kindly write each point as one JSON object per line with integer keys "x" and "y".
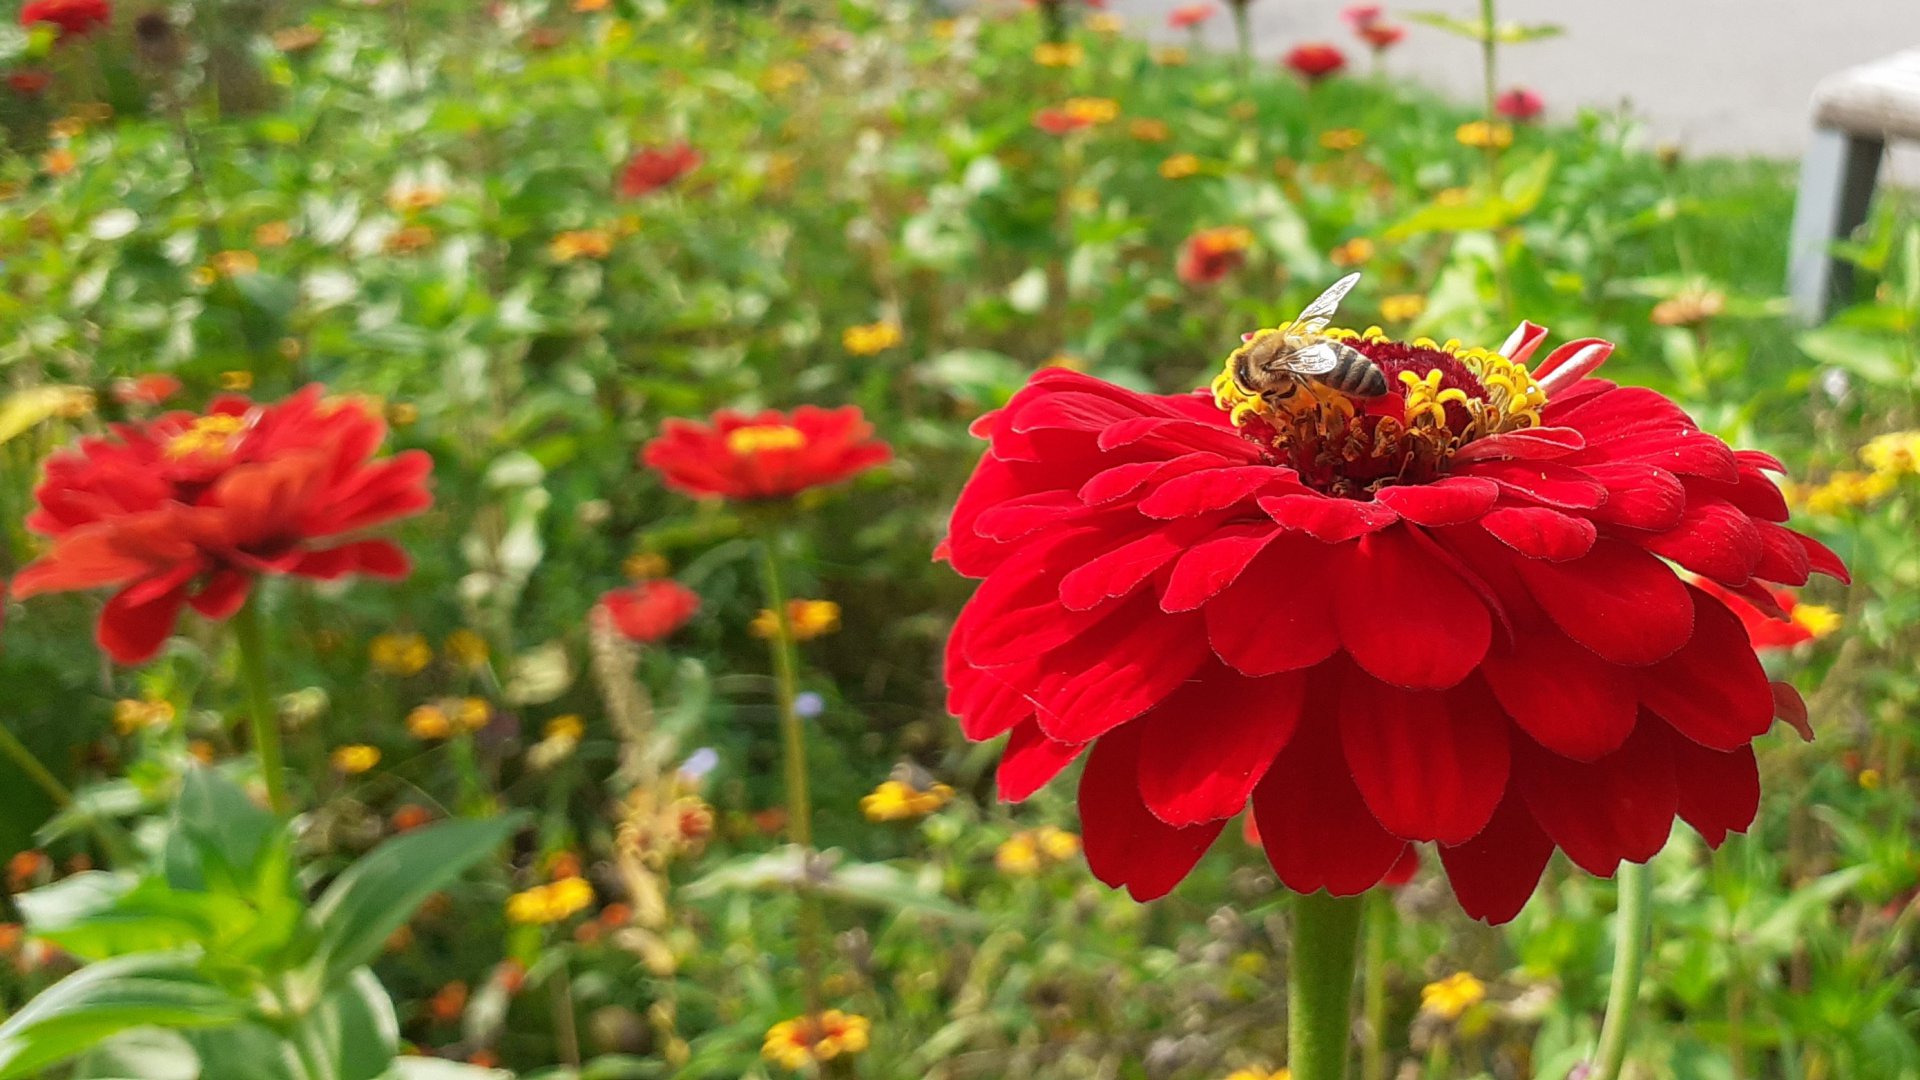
{"x": 1318, "y": 314}
{"x": 1316, "y": 359}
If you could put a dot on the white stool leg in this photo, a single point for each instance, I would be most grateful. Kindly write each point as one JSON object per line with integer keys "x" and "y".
{"x": 1836, "y": 186}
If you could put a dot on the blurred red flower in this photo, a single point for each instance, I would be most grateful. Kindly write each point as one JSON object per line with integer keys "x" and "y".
{"x": 771, "y": 455}
{"x": 1775, "y": 620}
{"x": 654, "y": 167}
{"x": 189, "y": 509}
{"x": 1060, "y": 121}
{"x": 1359, "y": 16}
{"x": 1190, "y": 16}
{"x": 152, "y": 389}
{"x": 1445, "y": 614}
{"x": 1210, "y": 255}
{"x": 29, "y": 82}
{"x": 650, "y": 610}
{"x": 1315, "y": 61}
{"x": 1520, "y": 104}
{"x": 1381, "y": 36}
{"x": 75, "y": 18}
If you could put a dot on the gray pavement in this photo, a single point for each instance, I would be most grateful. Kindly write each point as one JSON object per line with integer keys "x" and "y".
{"x": 1716, "y": 76}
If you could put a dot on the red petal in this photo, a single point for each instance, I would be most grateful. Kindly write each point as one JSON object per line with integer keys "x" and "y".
{"x": 1540, "y": 533}
{"x": 222, "y": 595}
{"x": 1203, "y": 750}
{"x": 1211, "y": 566}
{"x": 133, "y": 633}
{"x": 1326, "y": 518}
{"x": 1822, "y": 559}
{"x": 1619, "y": 807}
{"x": 1494, "y": 874}
{"x": 1712, "y": 539}
{"x": 1213, "y": 489}
{"x": 1126, "y": 846}
{"x": 1545, "y": 482}
{"x": 1571, "y": 701}
{"x": 1122, "y": 570}
{"x": 1448, "y": 502}
{"x": 1030, "y": 760}
{"x": 1617, "y": 600}
{"x": 1721, "y": 791}
{"x": 1407, "y": 618}
{"x": 1431, "y": 766}
{"x": 1639, "y": 496}
{"x": 1275, "y": 618}
{"x": 1714, "y": 690}
{"x": 1116, "y": 670}
{"x": 1317, "y": 831}
{"x": 1788, "y": 705}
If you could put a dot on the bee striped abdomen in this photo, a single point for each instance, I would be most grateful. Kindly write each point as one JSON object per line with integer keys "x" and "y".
{"x": 1356, "y": 375}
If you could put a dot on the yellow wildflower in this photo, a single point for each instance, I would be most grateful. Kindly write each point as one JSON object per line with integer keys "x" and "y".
{"x": 403, "y": 414}
{"x": 568, "y": 726}
{"x": 1170, "y": 55}
{"x": 783, "y": 76}
{"x": 58, "y": 162}
{"x": 411, "y": 198}
{"x": 806, "y": 619}
{"x": 1180, "y": 166}
{"x": 354, "y": 758}
{"x": 1065, "y": 360}
{"x": 1452, "y": 996}
{"x": 550, "y": 903}
{"x": 409, "y": 240}
{"x": 871, "y": 338}
{"x": 1352, "y": 253}
{"x": 1106, "y": 22}
{"x": 1894, "y": 452}
{"x": 1869, "y": 779}
{"x": 233, "y": 264}
{"x": 136, "y": 714}
{"x": 1846, "y": 489}
{"x": 1481, "y": 135}
{"x": 1145, "y": 130}
{"x": 945, "y": 29}
{"x": 805, "y": 1041}
{"x": 1056, "y": 844}
{"x": 472, "y": 713}
{"x": 273, "y": 234}
{"x": 429, "y": 722}
{"x": 1018, "y": 855}
{"x": 1816, "y": 619}
{"x": 1343, "y": 139}
{"x": 1402, "y": 307}
{"x": 1260, "y": 1074}
{"x": 581, "y": 244}
{"x": 896, "y": 800}
{"x": 642, "y": 565}
{"x": 1689, "y": 307}
{"x": 465, "y": 648}
{"x": 1059, "y": 54}
{"x": 236, "y": 381}
{"x": 585, "y": 7}
{"x": 400, "y": 654}
{"x": 1092, "y": 110}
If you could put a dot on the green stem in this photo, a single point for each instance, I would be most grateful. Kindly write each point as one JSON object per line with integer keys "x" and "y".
{"x": 262, "y": 713}
{"x": 1490, "y": 85}
{"x": 1320, "y": 985}
{"x": 1243, "y": 37}
{"x": 1373, "y": 1052}
{"x": 793, "y": 738}
{"x": 1635, "y": 886}
{"x": 42, "y": 777}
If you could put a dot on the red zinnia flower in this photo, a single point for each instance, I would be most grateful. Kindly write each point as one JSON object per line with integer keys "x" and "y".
{"x": 1775, "y": 618}
{"x": 1443, "y": 614}
{"x": 1359, "y": 16}
{"x": 768, "y": 456}
{"x": 1191, "y": 16}
{"x": 1520, "y": 104}
{"x": 146, "y": 389}
{"x": 652, "y": 168}
{"x": 1381, "y": 36}
{"x": 190, "y": 509}
{"x": 1210, "y": 255}
{"x": 650, "y": 610}
{"x": 29, "y": 82}
{"x": 1314, "y": 62}
{"x": 75, "y": 18}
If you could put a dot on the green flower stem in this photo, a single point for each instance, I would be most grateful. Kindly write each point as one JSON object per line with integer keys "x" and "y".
{"x": 1326, "y": 930}
{"x": 1630, "y": 952}
{"x": 793, "y": 738}
{"x": 119, "y": 846}
{"x": 1243, "y": 38}
{"x": 1380, "y": 919}
{"x": 1490, "y": 84}
{"x": 264, "y": 715}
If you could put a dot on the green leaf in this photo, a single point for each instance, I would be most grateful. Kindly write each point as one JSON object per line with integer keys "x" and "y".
{"x": 1506, "y": 33}
{"x": 104, "y": 999}
{"x": 96, "y": 915}
{"x": 353, "y": 1029}
{"x": 424, "y": 1068}
{"x": 220, "y": 838}
{"x": 142, "y": 1054}
{"x": 378, "y": 894}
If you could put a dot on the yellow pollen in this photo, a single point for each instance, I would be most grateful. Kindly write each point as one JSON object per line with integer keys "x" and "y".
{"x": 214, "y": 434}
{"x": 760, "y": 438}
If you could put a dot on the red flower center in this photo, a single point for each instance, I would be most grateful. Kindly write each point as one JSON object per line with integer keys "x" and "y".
{"x": 1438, "y": 399}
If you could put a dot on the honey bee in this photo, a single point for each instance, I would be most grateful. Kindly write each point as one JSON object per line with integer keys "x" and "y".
{"x": 1274, "y": 364}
